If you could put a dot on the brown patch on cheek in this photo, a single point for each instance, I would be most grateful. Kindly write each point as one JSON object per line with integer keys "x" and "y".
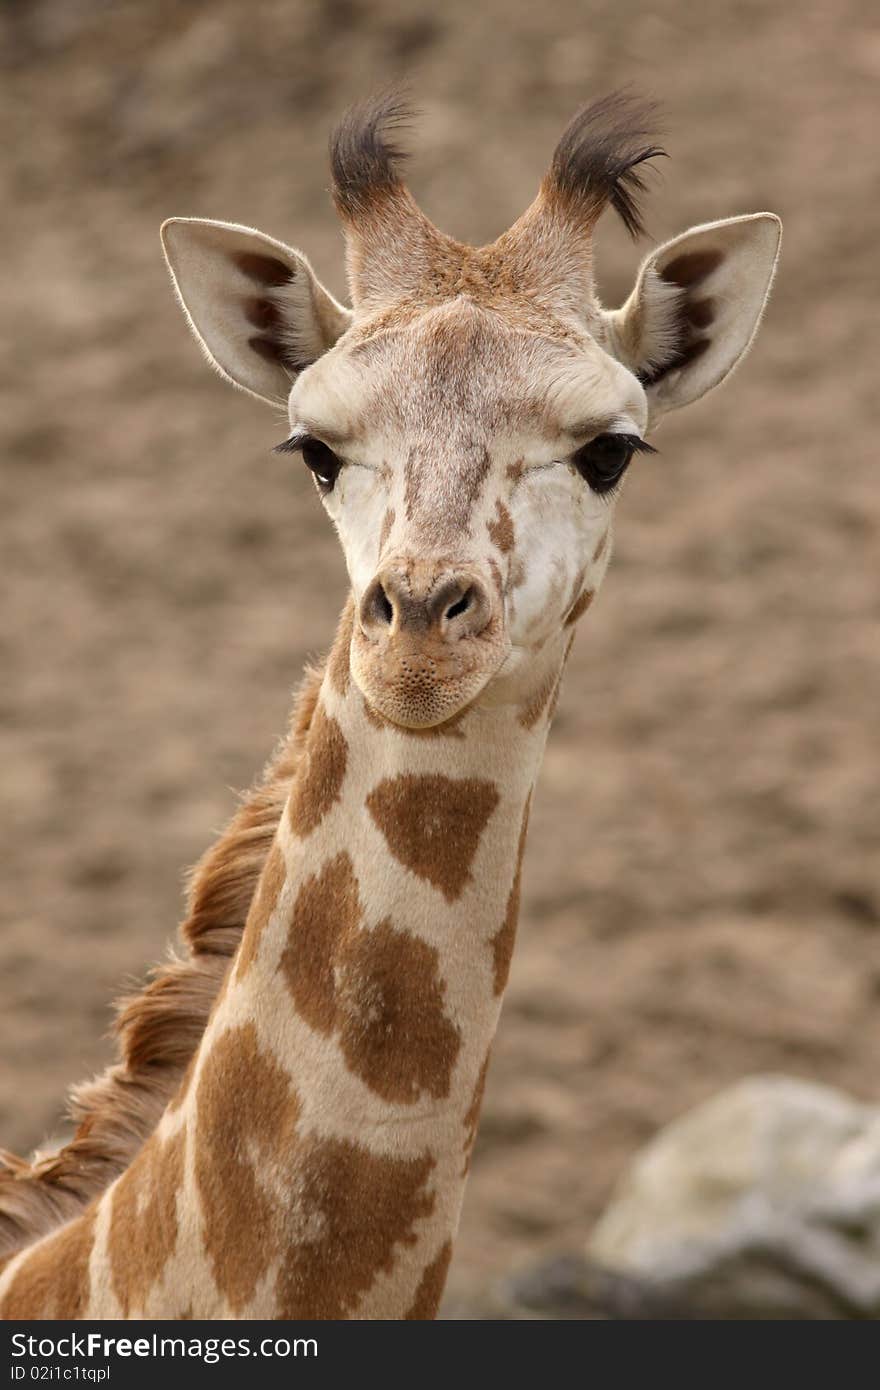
{"x": 143, "y": 1219}
{"x": 430, "y": 1291}
{"x": 266, "y": 897}
{"x": 433, "y": 825}
{"x": 497, "y": 576}
{"x": 339, "y": 661}
{"x": 318, "y": 784}
{"x": 579, "y": 607}
{"x": 53, "y": 1282}
{"x": 327, "y": 908}
{"x": 361, "y": 1206}
{"x": 387, "y": 523}
{"x": 394, "y": 1032}
{"x": 503, "y": 940}
{"x": 246, "y": 1115}
{"x": 577, "y": 586}
{"x": 472, "y": 1114}
{"x": 515, "y": 470}
{"x": 500, "y": 530}
{"x": 601, "y": 547}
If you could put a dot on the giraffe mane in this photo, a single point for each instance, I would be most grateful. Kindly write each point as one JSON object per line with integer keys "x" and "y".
{"x": 158, "y": 1028}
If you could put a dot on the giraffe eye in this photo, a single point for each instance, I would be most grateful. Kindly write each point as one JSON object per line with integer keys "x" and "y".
{"x": 321, "y": 462}
{"x": 317, "y": 457}
{"x": 603, "y": 462}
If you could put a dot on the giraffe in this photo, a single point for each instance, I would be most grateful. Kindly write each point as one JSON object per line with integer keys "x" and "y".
{"x": 467, "y": 425}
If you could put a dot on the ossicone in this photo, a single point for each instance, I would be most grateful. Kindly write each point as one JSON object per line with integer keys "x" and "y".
{"x": 365, "y": 157}
{"x": 598, "y": 161}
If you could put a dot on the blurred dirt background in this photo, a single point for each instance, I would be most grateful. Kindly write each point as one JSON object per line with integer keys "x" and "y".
{"x": 701, "y": 890}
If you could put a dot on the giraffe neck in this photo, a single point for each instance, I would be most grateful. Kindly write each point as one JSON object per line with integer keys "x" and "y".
{"x": 314, "y": 1163}
{"x": 355, "y": 1033}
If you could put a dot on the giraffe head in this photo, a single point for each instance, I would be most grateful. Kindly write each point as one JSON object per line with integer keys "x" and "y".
{"x": 469, "y": 420}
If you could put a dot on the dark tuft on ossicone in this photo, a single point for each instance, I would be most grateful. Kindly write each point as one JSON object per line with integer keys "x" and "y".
{"x": 596, "y": 161}
{"x": 364, "y": 155}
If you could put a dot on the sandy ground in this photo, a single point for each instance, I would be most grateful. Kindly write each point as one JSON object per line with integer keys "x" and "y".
{"x": 701, "y": 889}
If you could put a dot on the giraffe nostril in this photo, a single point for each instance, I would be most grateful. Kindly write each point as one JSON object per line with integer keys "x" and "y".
{"x": 377, "y": 608}
{"x": 461, "y": 605}
{"x": 403, "y": 603}
{"x": 382, "y": 606}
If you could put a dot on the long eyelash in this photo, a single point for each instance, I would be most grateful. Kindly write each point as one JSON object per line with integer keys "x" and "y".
{"x": 291, "y": 445}
{"x": 640, "y": 446}
{"x": 608, "y": 496}
{"x": 296, "y": 441}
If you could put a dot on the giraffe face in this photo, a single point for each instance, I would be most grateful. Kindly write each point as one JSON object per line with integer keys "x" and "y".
{"x": 469, "y": 420}
{"x": 455, "y": 454}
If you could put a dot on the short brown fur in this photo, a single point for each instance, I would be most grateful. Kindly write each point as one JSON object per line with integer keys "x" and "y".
{"x": 433, "y": 825}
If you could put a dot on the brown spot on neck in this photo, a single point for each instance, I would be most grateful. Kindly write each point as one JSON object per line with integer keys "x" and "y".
{"x": 394, "y": 1032}
{"x": 330, "y": 1209}
{"x": 433, "y": 824}
{"x": 339, "y": 660}
{"x": 269, "y": 888}
{"x": 333, "y": 1211}
{"x": 318, "y": 783}
{"x": 472, "y": 1114}
{"x": 538, "y": 701}
{"x": 52, "y": 1282}
{"x": 430, "y": 1291}
{"x": 177, "y": 1101}
{"x": 379, "y": 990}
{"x": 554, "y": 699}
{"x": 327, "y": 908}
{"x": 360, "y": 1206}
{"x": 246, "y": 1116}
{"x": 504, "y": 938}
{"x": 579, "y": 607}
{"x": 143, "y": 1220}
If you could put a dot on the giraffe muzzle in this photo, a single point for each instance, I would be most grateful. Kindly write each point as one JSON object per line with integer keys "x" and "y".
{"x": 428, "y": 639}
{"x": 450, "y": 607}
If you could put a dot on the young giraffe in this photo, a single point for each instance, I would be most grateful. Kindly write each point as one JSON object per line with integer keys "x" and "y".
{"x": 466, "y": 425}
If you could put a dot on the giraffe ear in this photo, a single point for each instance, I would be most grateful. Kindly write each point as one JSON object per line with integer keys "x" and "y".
{"x": 254, "y": 304}
{"x": 695, "y": 308}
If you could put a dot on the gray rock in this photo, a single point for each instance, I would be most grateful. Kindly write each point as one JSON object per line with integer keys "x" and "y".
{"x": 762, "y": 1203}
{"x": 566, "y": 1287}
